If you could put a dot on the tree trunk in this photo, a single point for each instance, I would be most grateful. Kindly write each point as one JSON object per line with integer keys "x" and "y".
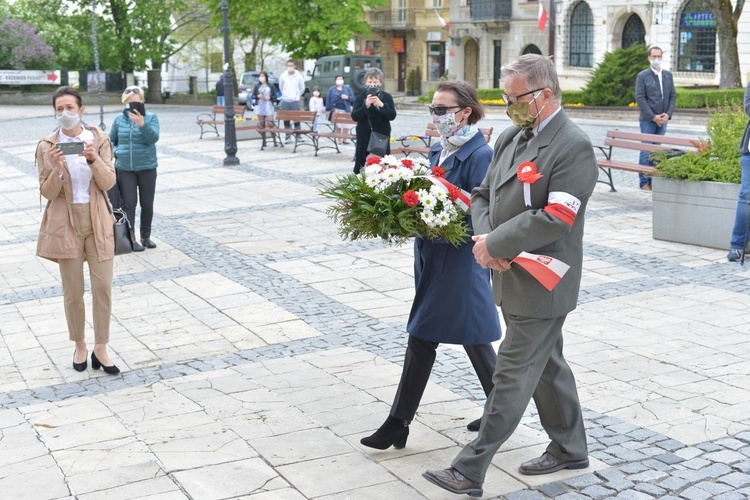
{"x": 154, "y": 86}
{"x": 726, "y": 27}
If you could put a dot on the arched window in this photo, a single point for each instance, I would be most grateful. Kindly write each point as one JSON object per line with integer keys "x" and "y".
{"x": 582, "y": 36}
{"x": 634, "y": 32}
{"x": 697, "y": 45}
{"x": 531, "y": 49}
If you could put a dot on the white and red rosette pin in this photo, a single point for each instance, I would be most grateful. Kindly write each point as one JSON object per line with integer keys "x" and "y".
{"x": 528, "y": 175}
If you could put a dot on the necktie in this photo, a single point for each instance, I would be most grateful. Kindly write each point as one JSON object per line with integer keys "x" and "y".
{"x": 523, "y": 141}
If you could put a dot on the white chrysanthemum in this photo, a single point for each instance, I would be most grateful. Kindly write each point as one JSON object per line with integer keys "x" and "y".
{"x": 373, "y": 170}
{"x": 389, "y": 160}
{"x": 422, "y": 193}
{"x": 438, "y": 193}
{"x": 405, "y": 173}
{"x": 372, "y": 181}
{"x": 442, "y": 219}
{"x": 451, "y": 210}
{"x": 427, "y": 200}
{"x": 390, "y": 175}
{"x": 428, "y": 218}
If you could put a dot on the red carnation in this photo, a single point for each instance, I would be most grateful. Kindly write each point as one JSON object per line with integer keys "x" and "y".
{"x": 438, "y": 172}
{"x": 373, "y": 160}
{"x": 411, "y": 198}
{"x": 407, "y": 163}
{"x": 452, "y": 193}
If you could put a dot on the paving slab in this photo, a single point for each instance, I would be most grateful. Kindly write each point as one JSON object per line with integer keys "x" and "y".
{"x": 257, "y": 347}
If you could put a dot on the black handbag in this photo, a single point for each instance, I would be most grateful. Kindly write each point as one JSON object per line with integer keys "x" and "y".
{"x": 378, "y": 144}
{"x": 122, "y": 230}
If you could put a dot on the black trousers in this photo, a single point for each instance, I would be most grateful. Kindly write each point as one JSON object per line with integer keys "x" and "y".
{"x": 133, "y": 188}
{"x": 418, "y": 361}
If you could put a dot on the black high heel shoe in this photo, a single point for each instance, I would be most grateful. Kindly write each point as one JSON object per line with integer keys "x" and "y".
{"x": 96, "y": 364}
{"x": 79, "y": 367}
{"x": 393, "y": 432}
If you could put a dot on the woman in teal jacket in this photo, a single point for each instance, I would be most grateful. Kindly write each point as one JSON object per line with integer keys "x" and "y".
{"x": 134, "y": 135}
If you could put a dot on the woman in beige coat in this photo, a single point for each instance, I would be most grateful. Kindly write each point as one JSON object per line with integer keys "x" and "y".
{"x": 76, "y": 225}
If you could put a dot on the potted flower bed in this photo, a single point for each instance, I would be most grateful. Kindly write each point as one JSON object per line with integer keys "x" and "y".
{"x": 695, "y": 194}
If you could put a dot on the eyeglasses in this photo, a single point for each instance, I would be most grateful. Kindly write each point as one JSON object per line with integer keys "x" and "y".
{"x": 513, "y": 99}
{"x": 134, "y": 90}
{"x": 441, "y": 110}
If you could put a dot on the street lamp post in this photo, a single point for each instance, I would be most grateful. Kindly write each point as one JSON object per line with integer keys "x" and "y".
{"x": 230, "y": 135}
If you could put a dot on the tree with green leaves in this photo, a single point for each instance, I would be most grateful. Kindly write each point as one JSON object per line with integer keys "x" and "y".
{"x": 21, "y": 47}
{"x": 304, "y": 29}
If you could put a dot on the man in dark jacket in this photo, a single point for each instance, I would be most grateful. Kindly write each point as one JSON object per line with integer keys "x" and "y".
{"x": 655, "y": 95}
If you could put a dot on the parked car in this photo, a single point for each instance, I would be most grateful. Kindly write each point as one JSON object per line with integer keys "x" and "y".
{"x": 351, "y": 66}
{"x": 247, "y": 83}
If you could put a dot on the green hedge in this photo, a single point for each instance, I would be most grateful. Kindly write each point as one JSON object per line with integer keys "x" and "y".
{"x": 707, "y": 98}
{"x": 686, "y": 98}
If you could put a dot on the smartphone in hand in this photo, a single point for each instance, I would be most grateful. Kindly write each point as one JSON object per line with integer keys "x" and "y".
{"x": 70, "y": 148}
{"x": 372, "y": 91}
{"x": 138, "y": 106}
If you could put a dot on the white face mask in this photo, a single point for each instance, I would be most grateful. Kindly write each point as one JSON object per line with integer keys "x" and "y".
{"x": 656, "y": 63}
{"x": 339, "y": 82}
{"x": 316, "y": 94}
{"x": 290, "y": 70}
{"x": 68, "y": 120}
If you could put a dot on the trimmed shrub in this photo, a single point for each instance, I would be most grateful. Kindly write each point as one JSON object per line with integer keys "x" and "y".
{"x": 613, "y": 81}
{"x": 718, "y": 159}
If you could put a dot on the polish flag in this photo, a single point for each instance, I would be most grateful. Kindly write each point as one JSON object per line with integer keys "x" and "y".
{"x": 546, "y": 270}
{"x": 542, "y": 16}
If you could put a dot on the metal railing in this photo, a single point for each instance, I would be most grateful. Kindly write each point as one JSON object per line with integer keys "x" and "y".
{"x": 490, "y": 10}
{"x": 391, "y": 18}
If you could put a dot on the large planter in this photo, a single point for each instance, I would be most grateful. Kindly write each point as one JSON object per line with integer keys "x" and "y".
{"x": 694, "y": 212}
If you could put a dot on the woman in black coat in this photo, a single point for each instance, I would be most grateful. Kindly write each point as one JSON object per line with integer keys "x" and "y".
{"x": 372, "y": 111}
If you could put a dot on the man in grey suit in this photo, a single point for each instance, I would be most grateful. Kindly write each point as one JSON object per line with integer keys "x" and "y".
{"x": 655, "y": 96}
{"x": 545, "y": 216}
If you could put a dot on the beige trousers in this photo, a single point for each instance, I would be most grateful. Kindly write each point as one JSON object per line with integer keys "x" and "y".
{"x": 100, "y": 273}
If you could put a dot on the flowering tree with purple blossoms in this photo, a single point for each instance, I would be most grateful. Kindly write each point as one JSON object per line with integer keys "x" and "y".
{"x": 21, "y": 47}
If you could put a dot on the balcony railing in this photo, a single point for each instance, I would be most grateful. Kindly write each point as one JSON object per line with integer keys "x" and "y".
{"x": 490, "y": 10}
{"x": 388, "y": 19}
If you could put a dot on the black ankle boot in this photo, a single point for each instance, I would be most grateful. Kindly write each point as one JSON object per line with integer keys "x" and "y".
{"x": 393, "y": 432}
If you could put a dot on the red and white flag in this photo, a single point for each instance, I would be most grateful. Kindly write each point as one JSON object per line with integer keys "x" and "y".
{"x": 546, "y": 270}
{"x": 542, "y": 16}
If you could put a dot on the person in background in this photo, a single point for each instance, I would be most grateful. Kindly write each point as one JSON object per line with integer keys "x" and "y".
{"x": 292, "y": 86}
{"x": 470, "y": 317}
{"x": 76, "y": 225}
{"x": 373, "y": 109}
{"x": 533, "y": 200}
{"x": 316, "y": 104}
{"x": 134, "y": 138}
{"x": 339, "y": 100}
{"x": 264, "y": 95}
{"x": 220, "y": 91}
{"x": 655, "y": 96}
{"x": 739, "y": 236}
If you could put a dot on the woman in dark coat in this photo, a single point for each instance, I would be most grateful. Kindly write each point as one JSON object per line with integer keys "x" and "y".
{"x": 371, "y": 112}
{"x": 453, "y": 301}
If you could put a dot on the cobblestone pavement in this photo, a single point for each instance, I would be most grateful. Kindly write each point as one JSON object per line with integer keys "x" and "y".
{"x": 257, "y": 348}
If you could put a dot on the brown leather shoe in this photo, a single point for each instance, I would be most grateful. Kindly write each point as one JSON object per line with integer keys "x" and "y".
{"x": 453, "y": 481}
{"x": 548, "y": 463}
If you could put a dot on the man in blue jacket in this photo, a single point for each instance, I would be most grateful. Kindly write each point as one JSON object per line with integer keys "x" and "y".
{"x": 655, "y": 96}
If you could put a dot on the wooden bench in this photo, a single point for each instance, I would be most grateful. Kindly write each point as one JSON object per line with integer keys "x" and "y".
{"x": 423, "y": 148}
{"x": 215, "y": 118}
{"x": 638, "y": 142}
{"x": 335, "y": 132}
{"x": 307, "y": 124}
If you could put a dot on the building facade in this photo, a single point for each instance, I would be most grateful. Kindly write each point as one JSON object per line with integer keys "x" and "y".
{"x": 482, "y": 35}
